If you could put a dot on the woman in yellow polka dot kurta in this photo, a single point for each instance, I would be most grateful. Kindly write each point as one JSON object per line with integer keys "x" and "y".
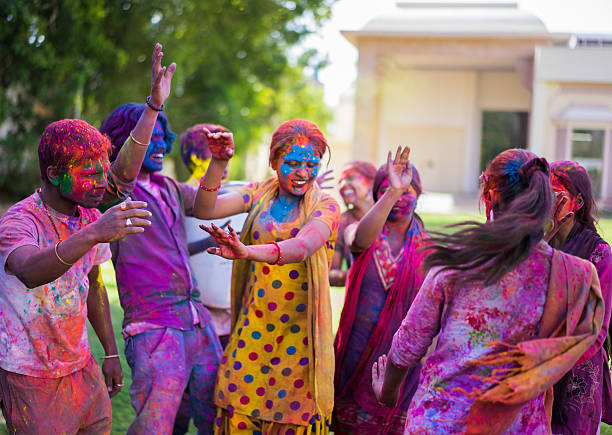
{"x": 269, "y": 379}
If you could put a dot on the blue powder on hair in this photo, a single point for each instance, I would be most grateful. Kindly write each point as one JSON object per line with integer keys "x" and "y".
{"x": 512, "y": 174}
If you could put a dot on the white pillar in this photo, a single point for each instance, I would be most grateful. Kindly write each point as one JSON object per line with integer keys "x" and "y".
{"x": 365, "y": 141}
{"x": 606, "y": 172}
{"x": 473, "y": 139}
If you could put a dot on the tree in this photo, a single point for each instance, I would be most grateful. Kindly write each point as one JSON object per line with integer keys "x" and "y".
{"x": 71, "y": 58}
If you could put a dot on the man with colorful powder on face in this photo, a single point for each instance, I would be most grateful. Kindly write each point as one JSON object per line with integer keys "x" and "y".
{"x": 51, "y": 246}
{"x": 171, "y": 344}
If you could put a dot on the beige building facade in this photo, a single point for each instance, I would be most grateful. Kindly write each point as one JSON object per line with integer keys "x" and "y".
{"x": 458, "y": 80}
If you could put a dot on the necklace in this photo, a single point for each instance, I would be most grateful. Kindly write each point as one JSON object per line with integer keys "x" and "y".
{"x": 286, "y": 205}
{"x": 49, "y": 215}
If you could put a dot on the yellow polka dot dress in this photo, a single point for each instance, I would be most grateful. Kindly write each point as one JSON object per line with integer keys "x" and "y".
{"x": 264, "y": 372}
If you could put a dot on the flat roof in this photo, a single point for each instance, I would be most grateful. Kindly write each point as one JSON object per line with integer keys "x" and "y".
{"x": 435, "y": 18}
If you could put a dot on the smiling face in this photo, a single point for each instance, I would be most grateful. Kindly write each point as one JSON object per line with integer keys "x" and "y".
{"x": 297, "y": 167}
{"x": 154, "y": 159}
{"x": 404, "y": 207}
{"x": 354, "y": 187}
{"x": 83, "y": 184}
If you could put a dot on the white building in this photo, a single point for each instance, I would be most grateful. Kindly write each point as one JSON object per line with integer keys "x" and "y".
{"x": 460, "y": 81}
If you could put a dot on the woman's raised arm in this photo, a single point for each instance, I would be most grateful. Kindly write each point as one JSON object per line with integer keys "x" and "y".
{"x": 400, "y": 177}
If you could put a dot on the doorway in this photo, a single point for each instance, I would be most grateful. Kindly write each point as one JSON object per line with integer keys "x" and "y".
{"x": 501, "y": 131}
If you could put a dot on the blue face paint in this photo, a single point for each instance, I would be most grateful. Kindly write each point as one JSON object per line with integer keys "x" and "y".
{"x": 154, "y": 158}
{"x": 297, "y": 170}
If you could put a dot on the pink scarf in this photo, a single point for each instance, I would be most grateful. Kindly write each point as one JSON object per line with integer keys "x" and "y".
{"x": 402, "y": 292}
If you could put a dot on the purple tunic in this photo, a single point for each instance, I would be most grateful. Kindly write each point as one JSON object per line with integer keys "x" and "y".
{"x": 467, "y": 319}
{"x": 153, "y": 273}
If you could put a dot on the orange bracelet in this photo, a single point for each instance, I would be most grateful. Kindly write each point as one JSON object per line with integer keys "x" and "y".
{"x": 208, "y": 189}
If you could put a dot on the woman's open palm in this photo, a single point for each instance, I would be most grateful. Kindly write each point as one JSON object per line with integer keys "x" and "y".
{"x": 400, "y": 170}
{"x": 229, "y": 244}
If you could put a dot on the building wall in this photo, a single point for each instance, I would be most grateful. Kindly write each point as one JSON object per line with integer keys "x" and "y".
{"x": 435, "y": 110}
{"x": 432, "y": 112}
{"x": 567, "y": 78}
{"x": 556, "y": 97}
{"x": 502, "y": 90}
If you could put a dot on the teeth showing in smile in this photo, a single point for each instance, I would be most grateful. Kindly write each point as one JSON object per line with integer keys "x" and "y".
{"x": 158, "y": 156}
{"x": 299, "y": 183}
{"x": 348, "y": 191}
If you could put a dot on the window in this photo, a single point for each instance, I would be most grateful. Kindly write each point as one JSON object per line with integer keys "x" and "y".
{"x": 587, "y": 150}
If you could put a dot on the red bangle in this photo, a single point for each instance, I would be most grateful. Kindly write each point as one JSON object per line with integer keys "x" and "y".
{"x": 279, "y": 254}
{"x": 208, "y": 189}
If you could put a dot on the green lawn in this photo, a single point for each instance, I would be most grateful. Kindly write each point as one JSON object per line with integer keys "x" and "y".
{"x": 122, "y": 409}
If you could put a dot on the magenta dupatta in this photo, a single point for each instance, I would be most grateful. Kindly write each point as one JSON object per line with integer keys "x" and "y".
{"x": 399, "y": 298}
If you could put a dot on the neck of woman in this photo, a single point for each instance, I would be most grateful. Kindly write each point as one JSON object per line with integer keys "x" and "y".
{"x": 560, "y": 238}
{"x": 399, "y": 227}
{"x": 287, "y": 199}
{"x": 359, "y": 209}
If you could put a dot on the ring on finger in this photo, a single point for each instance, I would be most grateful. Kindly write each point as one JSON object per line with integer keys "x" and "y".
{"x": 128, "y": 222}
{"x": 123, "y": 206}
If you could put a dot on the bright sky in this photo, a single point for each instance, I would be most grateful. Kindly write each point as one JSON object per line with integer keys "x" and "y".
{"x": 582, "y": 16}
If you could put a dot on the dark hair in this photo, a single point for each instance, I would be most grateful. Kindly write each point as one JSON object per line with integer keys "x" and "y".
{"x": 381, "y": 176}
{"x": 516, "y": 184}
{"x": 69, "y": 142}
{"x": 122, "y": 120}
{"x": 290, "y": 130}
{"x": 193, "y": 140}
{"x": 577, "y": 181}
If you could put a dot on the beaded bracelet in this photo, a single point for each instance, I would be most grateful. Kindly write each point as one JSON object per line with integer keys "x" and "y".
{"x": 65, "y": 263}
{"x": 157, "y": 109}
{"x": 208, "y": 189}
{"x": 278, "y": 260}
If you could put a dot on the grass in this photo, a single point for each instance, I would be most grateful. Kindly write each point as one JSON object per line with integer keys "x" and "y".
{"x": 123, "y": 412}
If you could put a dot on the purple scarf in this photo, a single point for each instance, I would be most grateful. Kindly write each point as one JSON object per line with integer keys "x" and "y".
{"x": 581, "y": 242}
{"x": 407, "y": 283}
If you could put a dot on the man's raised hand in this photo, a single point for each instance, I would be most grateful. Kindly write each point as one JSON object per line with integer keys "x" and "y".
{"x": 161, "y": 77}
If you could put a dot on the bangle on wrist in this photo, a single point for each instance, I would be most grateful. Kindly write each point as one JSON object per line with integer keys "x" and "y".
{"x": 157, "y": 109}
{"x": 65, "y": 263}
{"x": 137, "y": 142}
{"x": 278, "y": 249}
{"x": 110, "y": 356}
{"x": 208, "y": 189}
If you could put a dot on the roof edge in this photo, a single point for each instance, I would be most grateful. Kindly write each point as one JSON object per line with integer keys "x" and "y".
{"x": 354, "y": 35}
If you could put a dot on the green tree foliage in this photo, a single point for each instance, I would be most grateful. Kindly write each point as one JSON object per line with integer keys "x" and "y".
{"x": 82, "y": 58}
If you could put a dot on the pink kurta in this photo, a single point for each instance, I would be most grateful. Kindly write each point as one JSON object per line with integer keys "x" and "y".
{"x": 467, "y": 319}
